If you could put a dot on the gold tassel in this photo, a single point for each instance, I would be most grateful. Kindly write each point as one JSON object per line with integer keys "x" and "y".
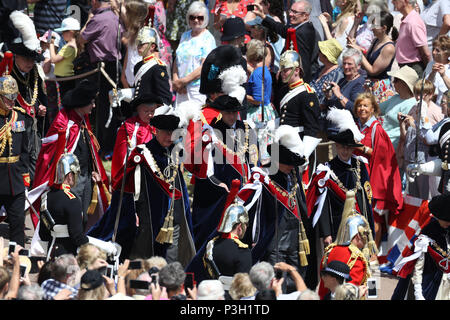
{"x": 94, "y": 201}
{"x": 170, "y": 230}
{"x": 107, "y": 194}
{"x": 304, "y": 238}
{"x": 302, "y": 255}
{"x": 373, "y": 247}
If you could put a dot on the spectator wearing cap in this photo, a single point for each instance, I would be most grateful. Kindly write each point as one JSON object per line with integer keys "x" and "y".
{"x": 99, "y": 37}
{"x": 404, "y": 80}
{"x": 425, "y": 269}
{"x": 412, "y": 45}
{"x": 333, "y": 275}
{"x": 53, "y": 94}
{"x": 306, "y": 35}
{"x": 194, "y": 47}
{"x": 63, "y": 60}
{"x": 234, "y": 32}
{"x": 73, "y": 119}
{"x": 92, "y": 286}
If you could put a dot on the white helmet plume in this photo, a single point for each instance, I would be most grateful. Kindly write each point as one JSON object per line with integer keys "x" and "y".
{"x": 232, "y": 80}
{"x": 343, "y": 119}
{"x": 288, "y": 137}
{"x": 25, "y": 25}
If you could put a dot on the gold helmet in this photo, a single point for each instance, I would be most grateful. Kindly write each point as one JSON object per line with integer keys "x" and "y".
{"x": 147, "y": 35}
{"x": 67, "y": 163}
{"x": 291, "y": 58}
{"x": 353, "y": 223}
{"x": 233, "y": 215}
{"x": 8, "y": 85}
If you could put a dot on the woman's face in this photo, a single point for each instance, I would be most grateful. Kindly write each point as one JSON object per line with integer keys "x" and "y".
{"x": 365, "y": 110}
{"x": 350, "y": 67}
{"x": 440, "y": 55}
{"x": 341, "y": 3}
{"x": 196, "y": 20}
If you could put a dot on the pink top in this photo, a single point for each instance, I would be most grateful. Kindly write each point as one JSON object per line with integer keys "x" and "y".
{"x": 433, "y": 112}
{"x": 412, "y": 35}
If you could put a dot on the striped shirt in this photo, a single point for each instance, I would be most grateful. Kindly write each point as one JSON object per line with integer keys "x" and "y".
{"x": 49, "y": 15}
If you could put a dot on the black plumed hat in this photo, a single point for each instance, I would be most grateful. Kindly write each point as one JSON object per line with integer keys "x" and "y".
{"x": 80, "y": 96}
{"x": 345, "y": 138}
{"x": 439, "y": 205}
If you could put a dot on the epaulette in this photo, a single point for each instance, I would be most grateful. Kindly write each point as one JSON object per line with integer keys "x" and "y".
{"x": 69, "y": 194}
{"x": 20, "y": 109}
{"x": 240, "y": 244}
{"x": 308, "y": 88}
{"x": 160, "y": 62}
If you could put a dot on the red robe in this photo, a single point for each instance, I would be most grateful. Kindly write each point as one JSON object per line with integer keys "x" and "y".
{"x": 194, "y": 160}
{"x": 383, "y": 169}
{"x": 353, "y": 257}
{"x": 144, "y": 133}
{"x": 52, "y": 148}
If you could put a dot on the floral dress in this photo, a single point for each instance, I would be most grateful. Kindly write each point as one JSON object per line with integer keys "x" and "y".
{"x": 189, "y": 56}
{"x": 177, "y": 20}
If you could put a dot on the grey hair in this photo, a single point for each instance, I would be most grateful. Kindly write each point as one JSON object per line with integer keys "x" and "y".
{"x": 172, "y": 276}
{"x": 308, "y": 294}
{"x": 66, "y": 265}
{"x": 350, "y": 52}
{"x": 261, "y": 274}
{"x": 31, "y": 292}
{"x": 144, "y": 276}
{"x": 307, "y": 5}
{"x": 198, "y": 7}
{"x": 412, "y": 2}
{"x": 210, "y": 290}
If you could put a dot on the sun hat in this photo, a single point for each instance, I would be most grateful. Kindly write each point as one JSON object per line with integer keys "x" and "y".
{"x": 69, "y": 24}
{"x": 331, "y": 49}
{"x": 406, "y": 74}
{"x": 55, "y": 35}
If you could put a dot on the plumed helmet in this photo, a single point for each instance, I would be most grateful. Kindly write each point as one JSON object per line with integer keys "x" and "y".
{"x": 147, "y": 35}
{"x": 67, "y": 163}
{"x": 291, "y": 58}
{"x": 8, "y": 85}
{"x": 233, "y": 215}
{"x": 354, "y": 224}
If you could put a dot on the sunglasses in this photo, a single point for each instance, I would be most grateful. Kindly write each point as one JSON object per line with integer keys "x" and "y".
{"x": 199, "y": 18}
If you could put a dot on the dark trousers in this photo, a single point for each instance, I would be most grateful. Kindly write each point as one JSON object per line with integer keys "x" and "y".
{"x": 105, "y": 136}
{"x": 15, "y": 210}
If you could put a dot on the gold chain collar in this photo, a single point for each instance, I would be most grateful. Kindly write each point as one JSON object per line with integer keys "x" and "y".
{"x": 242, "y": 150}
{"x": 358, "y": 180}
{"x": 166, "y": 176}
{"x": 26, "y": 83}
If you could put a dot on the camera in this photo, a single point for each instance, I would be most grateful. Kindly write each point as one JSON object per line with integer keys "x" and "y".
{"x": 135, "y": 265}
{"x": 328, "y": 86}
{"x": 250, "y": 7}
{"x": 278, "y": 274}
{"x": 189, "y": 281}
{"x": 12, "y": 247}
{"x": 402, "y": 117}
{"x": 139, "y": 284}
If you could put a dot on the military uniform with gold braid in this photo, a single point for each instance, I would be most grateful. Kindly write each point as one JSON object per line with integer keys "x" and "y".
{"x": 151, "y": 74}
{"x": 299, "y": 107}
{"x": 13, "y": 155}
{"x": 347, "y": 249}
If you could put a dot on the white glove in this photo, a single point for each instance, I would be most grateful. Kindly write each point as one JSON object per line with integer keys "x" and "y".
{"x": 122, "y": 94}
{"x": 431, "y": 168}
{"x": 111, "y": 248}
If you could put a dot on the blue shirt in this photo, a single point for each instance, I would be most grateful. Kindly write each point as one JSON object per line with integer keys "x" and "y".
{"x": 389, "y": 110}
{"x": 254, "y": 87}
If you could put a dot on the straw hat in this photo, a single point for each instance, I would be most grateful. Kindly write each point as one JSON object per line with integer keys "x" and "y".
{"x": 406, "y": 74}
{"x": 331, "y": 49}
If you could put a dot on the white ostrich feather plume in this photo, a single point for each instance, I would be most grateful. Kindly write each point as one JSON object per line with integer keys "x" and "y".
{"x": 25, "y": 25}
{"x": 188, "y": 111}
{"x": 288, "y": 136}
{"x": 232, "y": 80}
{"x": 343, "y": 119}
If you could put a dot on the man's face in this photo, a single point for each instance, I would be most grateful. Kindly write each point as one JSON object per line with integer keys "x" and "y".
{"x": 297, "y": 13}
{"x": 344, "y": 152}
{"x": 146, "y": 111}
{"x": 7, "y": 103}
{"x": 86, "y": 110}
{"x": 229, "y": 117}
{"x": 24, "y": 64}
{"x": 164, "y": 137}
{"x": 398, "y": 4}
{"x": 286, "y": 75}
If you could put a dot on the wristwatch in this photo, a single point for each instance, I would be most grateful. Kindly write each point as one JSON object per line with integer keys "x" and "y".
{"x": 341, "y": 97}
